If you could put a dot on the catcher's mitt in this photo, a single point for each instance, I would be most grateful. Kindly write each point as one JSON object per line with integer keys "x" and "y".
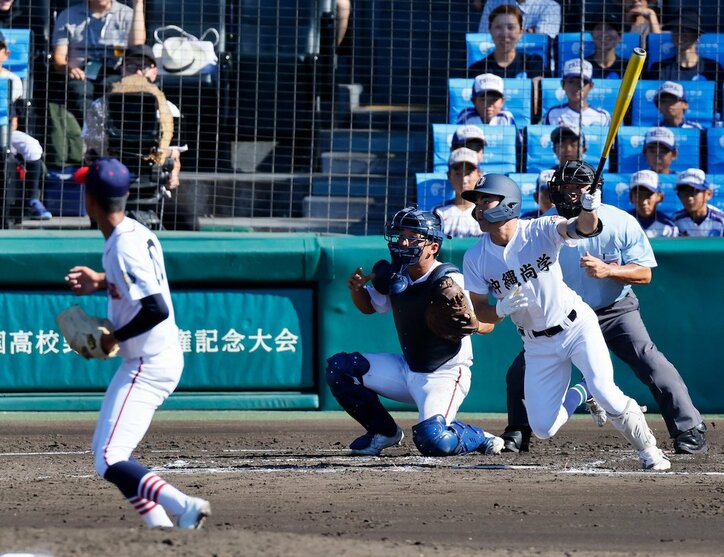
{"x": 448, "y": 313}
{"x": 83, "y": 332}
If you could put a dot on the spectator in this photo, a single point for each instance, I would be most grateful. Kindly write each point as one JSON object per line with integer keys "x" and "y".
{"x": 85, "y": 43}
{"x": 697, "y": 218}
{"x": 566, "y": 141}
{"x": 671, "y": 102}
{"x": 539, "y": 16}
{"x": 660, "y": 149}
{"x": 488, "y": 99}
{"x": 139, "y": 60}
{"x": 471, "y": 137}
{"x": 577, "y": 83}
{"x": 642, "y": 19}
{"x": 456, "y": 215}
{"x": 645, "y": 194}
{"x": 606, "y": 33}
{"x": 13, "y": 17}
{"x": 23, "y": 144}
{"x": 541, "y": 196}
{"x": 687, "y": 65}
{"x": 506, "y": 29}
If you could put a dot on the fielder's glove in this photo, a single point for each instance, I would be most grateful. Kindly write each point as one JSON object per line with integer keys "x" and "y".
{"x": 591, "y": 201}
{"x": 515, "y": 300}
{"x": 83, "y": 332}
{"x": 448, "y": 313}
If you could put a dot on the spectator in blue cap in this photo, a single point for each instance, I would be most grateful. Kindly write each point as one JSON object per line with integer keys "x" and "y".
{"x": 645, "y": 194}
{"x": 697, "y": 218}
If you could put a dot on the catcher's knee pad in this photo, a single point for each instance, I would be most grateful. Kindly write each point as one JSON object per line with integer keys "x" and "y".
{"x": 345, "y": 371}
{"x": 433, "y": 437}
{"x": 632, "y": 423}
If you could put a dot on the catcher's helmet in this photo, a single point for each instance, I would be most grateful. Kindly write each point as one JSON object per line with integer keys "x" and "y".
{"x": 411, "y": 218}
{"x": 577, "y": 173}
{"x": 501, "y": 185}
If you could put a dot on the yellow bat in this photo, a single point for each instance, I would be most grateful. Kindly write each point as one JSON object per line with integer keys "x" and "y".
{"x": 623, "y": 100}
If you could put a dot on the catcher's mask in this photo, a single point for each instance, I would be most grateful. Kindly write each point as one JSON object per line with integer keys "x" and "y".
{"x": 503, "y": 187}
{"x": 411, "y": 218}
{"x": 577, "y": 173}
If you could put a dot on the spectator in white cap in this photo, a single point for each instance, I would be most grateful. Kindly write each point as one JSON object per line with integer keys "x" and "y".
{"x": 456, "y": 214}
{"x": 506, "y": 29}
{"x": 671, "y": 101}
{"x": 488, "y": 98}
{"x": 471, "y": 137}
{"x": 577, "y": 82}
{"x": 566, "y": 142}
{"x": 660, "y": 149}
{"x": 541, "y": 196}
{"x": 697, "y": 218}
{"x": 645, "y": 194}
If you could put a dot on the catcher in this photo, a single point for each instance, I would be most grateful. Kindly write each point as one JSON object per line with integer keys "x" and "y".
{"x": 434, "y": 320}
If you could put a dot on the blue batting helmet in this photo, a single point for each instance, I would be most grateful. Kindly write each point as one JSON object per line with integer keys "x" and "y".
{"x": 500, "y": 185}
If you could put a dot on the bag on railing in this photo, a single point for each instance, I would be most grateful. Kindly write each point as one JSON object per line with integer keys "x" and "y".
{"x": 183, "y": 53}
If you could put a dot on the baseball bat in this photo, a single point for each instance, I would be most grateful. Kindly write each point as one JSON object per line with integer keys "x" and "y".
{"x": 623, "y": 100}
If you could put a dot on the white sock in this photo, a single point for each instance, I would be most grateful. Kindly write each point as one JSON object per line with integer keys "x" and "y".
{"x": 156, "y": 489}
{"x": 153, "y": 514}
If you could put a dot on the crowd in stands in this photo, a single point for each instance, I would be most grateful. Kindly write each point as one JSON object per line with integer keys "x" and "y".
{"x": 679, "y": 102}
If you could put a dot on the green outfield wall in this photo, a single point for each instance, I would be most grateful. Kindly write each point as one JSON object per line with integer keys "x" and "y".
{"x": 259, "y": 314}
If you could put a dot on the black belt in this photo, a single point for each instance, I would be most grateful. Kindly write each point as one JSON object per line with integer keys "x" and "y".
{"x": 553, "y": 330}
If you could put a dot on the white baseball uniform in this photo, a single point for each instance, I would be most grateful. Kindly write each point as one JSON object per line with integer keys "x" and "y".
{"x": 456, "y": 222}
{"x": 564, "y": 115}
{"x": 530, "y": 260}
{"x": 152, "y": 361}
{"x": 440, "y": 392}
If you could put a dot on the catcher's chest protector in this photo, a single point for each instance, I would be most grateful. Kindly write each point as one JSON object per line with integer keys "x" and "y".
{"x": 423, "y": 350}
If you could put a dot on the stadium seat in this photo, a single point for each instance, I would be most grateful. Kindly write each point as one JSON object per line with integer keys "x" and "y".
{"x": 711, "y": 46}
{"x": 4, "y": 108}
{"x": 603, "y": 94}
{"x": 433, "y": 189}
{"x": 715, "y": 150}
{"x": 18, "y": 43}
{"x": 659, "y": 46}
{"x": 569, "y": 46}
{"x": 615, "y": 190}
{"x": 479, "y": 45}
{"x": 699, "y": 94}
{"x": 630, "y": 151}
{"x": 540, "y": 151}
{"x": 518, "y": 98}
{"x": 718, "y": 199}
{"x": 527, "y": 182}
{"x": 499, "y": 156}
{"x": 671, "y": 202}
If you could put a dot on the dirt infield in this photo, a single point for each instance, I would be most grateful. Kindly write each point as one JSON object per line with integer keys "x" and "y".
{"x": 288, "y": 486}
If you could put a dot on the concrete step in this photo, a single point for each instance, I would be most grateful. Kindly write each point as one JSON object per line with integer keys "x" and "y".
{"x": 350, "y": 162}
{"x": 373, "y": 141}
{"x": 405, "y": 117}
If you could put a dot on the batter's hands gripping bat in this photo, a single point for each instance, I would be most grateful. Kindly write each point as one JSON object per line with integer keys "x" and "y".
{"x": 628, "y": 85}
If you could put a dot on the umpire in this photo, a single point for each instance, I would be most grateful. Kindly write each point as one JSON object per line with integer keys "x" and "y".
{"x": 601, "y": 270}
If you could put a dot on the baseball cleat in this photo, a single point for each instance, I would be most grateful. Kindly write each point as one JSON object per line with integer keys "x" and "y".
{"x": 195, "y": 514}
{"x": 372, "y": 444}
{"x": 492, "y": 445}
{"x": 691, "y": 441}
{"x": 654, "y": 459}
{"x": 516, "y": 440}
{"x": 597, "y": 413}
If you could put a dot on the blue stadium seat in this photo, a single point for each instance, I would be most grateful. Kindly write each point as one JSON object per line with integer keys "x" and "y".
{"x": 518, "y": 98}
{"x": 603, "y": 94}
{"x": 499, "y": 156}
{"x": 615, "y": 190}
{"x": 630, "y": 143}
{"x": 18, "y": 43}
{"x": 569, "y": 46}
{"x": 718, "y": 199}
{"x": 715, "y": 150}
{"x": 540, "y": 151}
{"x": 527, "y": 182}
{"x": 711, "y": 46}
{"x": 671, "y": 202}
{"x": 4, "y": 107}
{"x": 659, "y": 46}
{"x": 433, "y": 189}
{"x": 699, "y": 94}
{"x": 479, "y": 45}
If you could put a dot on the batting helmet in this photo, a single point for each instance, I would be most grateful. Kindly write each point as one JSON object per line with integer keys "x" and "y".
{"x": 411, "y": 218}
{"x": 500, "y": 185}
{"x": 577, "y": 173}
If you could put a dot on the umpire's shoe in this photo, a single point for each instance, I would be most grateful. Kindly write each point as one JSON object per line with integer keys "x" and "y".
{"x": 516, "y": 440}
{"x": 373, "y": 444}
{"x": 691, "y": 441}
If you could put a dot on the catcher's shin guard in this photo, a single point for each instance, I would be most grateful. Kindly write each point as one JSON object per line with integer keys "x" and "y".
{"x": 632, "y": 423}
{"x": 433, "y": 437}
{"x": 344, "y": 377}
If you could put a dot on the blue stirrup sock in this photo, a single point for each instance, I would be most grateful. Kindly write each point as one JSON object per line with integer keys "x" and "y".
{"x": 575, "y": 396}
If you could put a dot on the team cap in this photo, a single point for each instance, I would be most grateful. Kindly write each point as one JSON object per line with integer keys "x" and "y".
{"x": 693, "y": 177}
{"x": 573, "y": 68}
{"x": 647, "y": 179}
{"x": 567, "y": 132}
{"x": 670, "y": 88}
{"x": 488, "y": 82}
{"x": 462, "y": 155}
{"x": 465, "y": 134}
{"x": 105, "y": 178}
{"x": 661, "y": 135}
